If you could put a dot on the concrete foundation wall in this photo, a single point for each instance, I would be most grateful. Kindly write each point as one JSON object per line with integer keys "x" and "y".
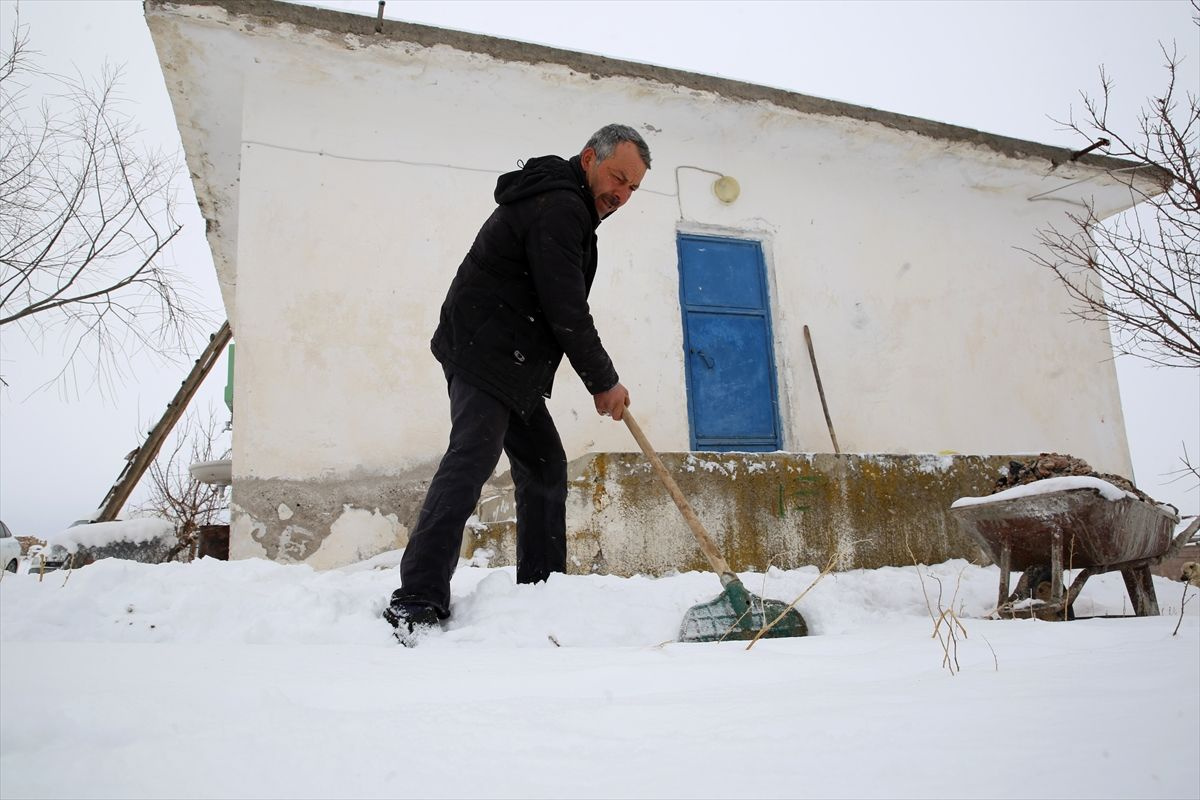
{"x": 321, "y": 522}
{"x": 772, "y": 509}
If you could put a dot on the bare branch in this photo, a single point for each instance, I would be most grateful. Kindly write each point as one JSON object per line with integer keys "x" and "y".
{"x": 177, "y": 496}
{"x": 1139, "y": 272}
{"x": 87, "y": 218}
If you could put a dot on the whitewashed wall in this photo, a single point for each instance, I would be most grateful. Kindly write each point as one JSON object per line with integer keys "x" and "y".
{"x": 362, "y": 173}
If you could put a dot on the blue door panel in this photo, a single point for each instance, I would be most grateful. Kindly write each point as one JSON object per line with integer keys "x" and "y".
{"x": 716, "y": 273}
{"x": 730, "y": 362}
{"x": 732, "y": 392}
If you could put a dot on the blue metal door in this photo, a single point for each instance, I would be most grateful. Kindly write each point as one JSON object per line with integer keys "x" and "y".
{"x": 732, "y": 399}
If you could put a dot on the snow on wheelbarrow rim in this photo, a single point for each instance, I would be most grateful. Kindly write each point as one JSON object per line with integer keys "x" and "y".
{"x": 1100, "y": 525}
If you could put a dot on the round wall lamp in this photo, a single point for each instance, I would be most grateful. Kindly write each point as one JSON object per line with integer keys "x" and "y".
{"x": 726, "y": 189}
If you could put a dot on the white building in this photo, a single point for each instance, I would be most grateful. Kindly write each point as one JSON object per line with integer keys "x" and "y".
{"x": 344, "y": 172}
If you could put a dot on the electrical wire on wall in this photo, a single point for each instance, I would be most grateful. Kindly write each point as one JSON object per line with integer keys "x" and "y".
{"x": 340, "y": 157}
{"x": 725, "y": 182}
{"x": 725, "y": 187}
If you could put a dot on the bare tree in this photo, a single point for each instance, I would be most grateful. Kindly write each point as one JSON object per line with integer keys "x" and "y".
{"x": 176, "y": 495}
{"x": 1139, "y": 272}
{"x": 86, "y": 216}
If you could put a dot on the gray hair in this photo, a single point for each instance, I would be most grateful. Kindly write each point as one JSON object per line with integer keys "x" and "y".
{"x": 605, "y": 141}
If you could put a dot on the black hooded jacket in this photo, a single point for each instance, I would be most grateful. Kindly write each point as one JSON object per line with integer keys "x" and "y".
{"x": 519, "y": 300}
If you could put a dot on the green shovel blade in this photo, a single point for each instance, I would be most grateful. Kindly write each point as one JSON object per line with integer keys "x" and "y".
{"x": 720, "y": 618}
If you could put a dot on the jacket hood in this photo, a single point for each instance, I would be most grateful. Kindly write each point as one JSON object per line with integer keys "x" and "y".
{"x": 545, "y": 174}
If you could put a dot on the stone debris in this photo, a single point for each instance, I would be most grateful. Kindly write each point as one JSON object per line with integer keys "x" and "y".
{"x": 1057, "y": 465}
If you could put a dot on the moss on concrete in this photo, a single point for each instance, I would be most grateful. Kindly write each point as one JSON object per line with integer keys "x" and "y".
{"x": 770, "y": 509}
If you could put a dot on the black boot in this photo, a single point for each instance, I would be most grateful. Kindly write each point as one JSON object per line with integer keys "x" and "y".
{"x": 412, "y": 621}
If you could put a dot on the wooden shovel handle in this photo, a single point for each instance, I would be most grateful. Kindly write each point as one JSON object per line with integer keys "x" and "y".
{"x": 719, "y": 565}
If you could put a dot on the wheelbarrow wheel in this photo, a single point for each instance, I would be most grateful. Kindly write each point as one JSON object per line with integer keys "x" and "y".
{"x": 1030, "y": 586}
{"x": 1037, "y": 584}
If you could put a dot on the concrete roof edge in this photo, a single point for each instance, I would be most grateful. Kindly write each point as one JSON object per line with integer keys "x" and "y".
{"x": 266, "y": 12}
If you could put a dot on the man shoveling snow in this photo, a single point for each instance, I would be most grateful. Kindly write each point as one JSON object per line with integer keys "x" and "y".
{"x": 518, "y": 304}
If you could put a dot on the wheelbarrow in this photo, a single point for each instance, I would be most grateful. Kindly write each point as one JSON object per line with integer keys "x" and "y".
{"x": 1091, "y": 529}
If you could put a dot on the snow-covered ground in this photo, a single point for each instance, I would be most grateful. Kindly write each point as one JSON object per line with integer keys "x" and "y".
{"x": 251, "y": 679}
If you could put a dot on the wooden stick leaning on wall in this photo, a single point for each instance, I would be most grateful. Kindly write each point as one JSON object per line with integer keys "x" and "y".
{"x": 812, "y": 356}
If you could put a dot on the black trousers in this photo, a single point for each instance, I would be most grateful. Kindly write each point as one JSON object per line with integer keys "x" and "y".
{"x": 481, "y": 426}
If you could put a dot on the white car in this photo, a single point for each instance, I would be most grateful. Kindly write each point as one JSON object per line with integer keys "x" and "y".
{"x": 10, "y": 549}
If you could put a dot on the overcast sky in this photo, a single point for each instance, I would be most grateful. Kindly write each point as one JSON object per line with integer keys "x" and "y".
{"x": 1006, "y": 68}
